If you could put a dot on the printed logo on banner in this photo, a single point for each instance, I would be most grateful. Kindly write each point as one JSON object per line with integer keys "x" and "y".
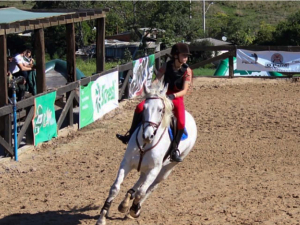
{"x": 104, "y": 94}
{"x": 277, "y": 58}
{"x": 277, "y": 61}
{"x": 251, "y": 59}
{"x": 44, "y": 121}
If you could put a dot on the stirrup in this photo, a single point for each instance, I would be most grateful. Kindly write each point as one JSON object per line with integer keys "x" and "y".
{"x": 175, "y": 155}
{"x": 124, "y": 138}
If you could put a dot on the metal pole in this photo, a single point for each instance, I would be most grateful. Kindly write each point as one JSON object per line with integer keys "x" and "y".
{"x": 15, "y": 121}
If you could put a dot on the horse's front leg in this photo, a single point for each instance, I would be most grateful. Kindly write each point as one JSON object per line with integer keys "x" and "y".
{"x": 114, "y": 190}
{"x": 124, "y": 205}
{"x": 163, "y": 174}
{"x": 141, "y": 192}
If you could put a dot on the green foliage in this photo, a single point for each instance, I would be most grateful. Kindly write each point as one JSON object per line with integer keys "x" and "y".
{"x": 182, "y": 20}
{"x": 288, "y": 32}
{"x": 127, "y": 56}
{"x": 88, "y": 67}
{"x": 202, "y": 55}
{"x": 203, "y": 72}
{"x": 265, "y": 34}
{"x": 53, "y": 41}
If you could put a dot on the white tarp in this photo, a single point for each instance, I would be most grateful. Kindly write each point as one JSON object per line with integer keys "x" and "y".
{"x": 278, "y": 61}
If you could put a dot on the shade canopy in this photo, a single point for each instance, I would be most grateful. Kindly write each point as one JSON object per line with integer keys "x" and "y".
{"x": 11, "y": 15}
{"x": 13, "y": 20}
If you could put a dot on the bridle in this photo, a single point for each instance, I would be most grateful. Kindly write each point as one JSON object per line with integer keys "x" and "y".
{"x": 155, "y": 126}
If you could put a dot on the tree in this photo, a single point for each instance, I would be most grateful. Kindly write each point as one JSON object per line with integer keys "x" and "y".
{"x": 288, "y": 32}
{"x": 171, "y": 16}
{"x": 265, "y": 34}
{"x": 83, "y": 30}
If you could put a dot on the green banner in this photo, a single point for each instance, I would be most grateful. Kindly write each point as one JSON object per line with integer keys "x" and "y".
{"x": 98, "y": 98}
{"x": 44, "y": 122}
{"x": 86, "y": 105}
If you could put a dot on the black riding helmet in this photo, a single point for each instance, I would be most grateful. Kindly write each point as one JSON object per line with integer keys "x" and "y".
{"x": 180, "y": 48}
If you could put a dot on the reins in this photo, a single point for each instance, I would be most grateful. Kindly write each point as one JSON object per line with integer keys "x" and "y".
{"x": 154, "y": 125}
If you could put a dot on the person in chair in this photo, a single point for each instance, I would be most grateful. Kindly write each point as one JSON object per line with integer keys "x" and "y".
{"x": 178, "y": 75}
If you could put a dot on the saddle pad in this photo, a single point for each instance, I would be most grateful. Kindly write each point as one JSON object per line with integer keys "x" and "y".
{"x": 184, "y": 135}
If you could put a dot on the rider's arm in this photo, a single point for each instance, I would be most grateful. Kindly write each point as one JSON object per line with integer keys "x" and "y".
{"x": 161, "y": 71}
{"x": 186, "y": 84}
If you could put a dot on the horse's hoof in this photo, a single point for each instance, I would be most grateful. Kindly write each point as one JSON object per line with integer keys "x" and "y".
{"x": 135, "y": 210}
{"x": 101, "y": 222}
{"x": 102, "y": 218}
{"x": 124, "y": 205}
{"x": 128, "y": 217}
{"x": 122, "y": 209}
{"x": 135, "y": 215}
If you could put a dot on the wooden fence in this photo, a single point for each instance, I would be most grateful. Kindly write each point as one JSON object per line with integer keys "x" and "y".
{"x": 69, "y": 91}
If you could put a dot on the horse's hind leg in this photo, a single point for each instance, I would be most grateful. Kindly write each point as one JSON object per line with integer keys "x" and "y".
{"x": 114, "y": 190}
{"x": 164, "y": 173}
{"x": 124, "y": 205}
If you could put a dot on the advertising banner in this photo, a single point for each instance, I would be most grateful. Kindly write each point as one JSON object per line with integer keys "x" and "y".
{"x": 98, "y": 98}
{"x": 223, "y": 70}
{"x": 142, "y": 74}
{"x": 278, "y": 61}
{"x": 44, "y": 122}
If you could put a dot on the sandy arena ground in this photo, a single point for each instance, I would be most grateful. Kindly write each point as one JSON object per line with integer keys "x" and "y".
{"x": 244, "y": 168}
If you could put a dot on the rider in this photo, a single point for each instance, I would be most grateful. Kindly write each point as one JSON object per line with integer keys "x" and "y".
{"x": 178, "y": 76}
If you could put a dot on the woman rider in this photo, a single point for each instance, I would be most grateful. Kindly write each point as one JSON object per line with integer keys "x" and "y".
{"x": 178, "y": 76}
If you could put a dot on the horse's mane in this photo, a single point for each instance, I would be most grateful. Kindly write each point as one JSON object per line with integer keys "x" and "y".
{"x": 156, "y": 91}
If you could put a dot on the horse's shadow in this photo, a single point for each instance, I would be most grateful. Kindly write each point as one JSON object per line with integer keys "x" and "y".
{"x": 60, "y": 217}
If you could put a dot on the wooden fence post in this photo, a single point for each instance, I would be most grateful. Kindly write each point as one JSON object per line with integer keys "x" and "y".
{"x": 231, "y": 74}
{"x": 71, "y": 62}
{"x": 5, "y": 121}
{"x": 29, "y": 132}
{"x": 100, "y": 45}
{"x": 40, "y": 61}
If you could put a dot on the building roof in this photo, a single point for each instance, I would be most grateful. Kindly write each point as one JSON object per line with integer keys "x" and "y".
{"x": 114, "y": 44}
{"x": 13, "y": 20}
{"x": 214, "y": 41}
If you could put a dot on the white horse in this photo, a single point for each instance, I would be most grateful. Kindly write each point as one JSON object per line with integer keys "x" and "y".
{"x": 146, "y": 152}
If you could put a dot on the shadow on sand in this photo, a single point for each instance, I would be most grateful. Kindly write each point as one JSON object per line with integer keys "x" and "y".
{"x": 60, "y": 217}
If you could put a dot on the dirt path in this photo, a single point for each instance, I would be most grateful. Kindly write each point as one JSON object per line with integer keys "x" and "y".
{"x": 244, "y": 168}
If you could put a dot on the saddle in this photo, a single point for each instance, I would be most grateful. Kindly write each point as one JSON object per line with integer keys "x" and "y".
{"x": 172, "y": 129}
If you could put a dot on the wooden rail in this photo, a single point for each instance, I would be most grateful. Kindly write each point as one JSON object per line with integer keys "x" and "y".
{"x": 70, "y": 90}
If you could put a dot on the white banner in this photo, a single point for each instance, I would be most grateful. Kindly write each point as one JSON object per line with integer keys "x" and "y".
{"x": 278, "y": 61}
{"x": 142, "y": 74}
{"x": 105, "y": 94}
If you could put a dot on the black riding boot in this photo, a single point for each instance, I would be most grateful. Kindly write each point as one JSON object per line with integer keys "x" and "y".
{"x": 137, "y": 118}
{"x": 175, "y": 154}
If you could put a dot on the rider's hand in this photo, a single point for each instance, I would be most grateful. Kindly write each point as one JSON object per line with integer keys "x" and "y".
{"x": 171, "y": 96}
{"x": 185, "y": 65}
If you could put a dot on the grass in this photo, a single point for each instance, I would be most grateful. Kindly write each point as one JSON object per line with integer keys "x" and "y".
{"x": 203, "y": 72}
{"x": 88, "y": 67}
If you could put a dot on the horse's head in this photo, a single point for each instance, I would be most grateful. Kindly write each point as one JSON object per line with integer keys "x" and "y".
{"x": 157, "y": 111}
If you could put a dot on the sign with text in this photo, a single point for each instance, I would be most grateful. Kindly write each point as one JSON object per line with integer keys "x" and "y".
{"x": 98, "y": 98}
{"x": 44, "y": 122}
{"x": 142, "y": 74}
{"x": 278, "y": 61}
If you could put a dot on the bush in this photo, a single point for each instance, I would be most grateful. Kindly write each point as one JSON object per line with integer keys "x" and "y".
{"x": 200, "y": 55}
